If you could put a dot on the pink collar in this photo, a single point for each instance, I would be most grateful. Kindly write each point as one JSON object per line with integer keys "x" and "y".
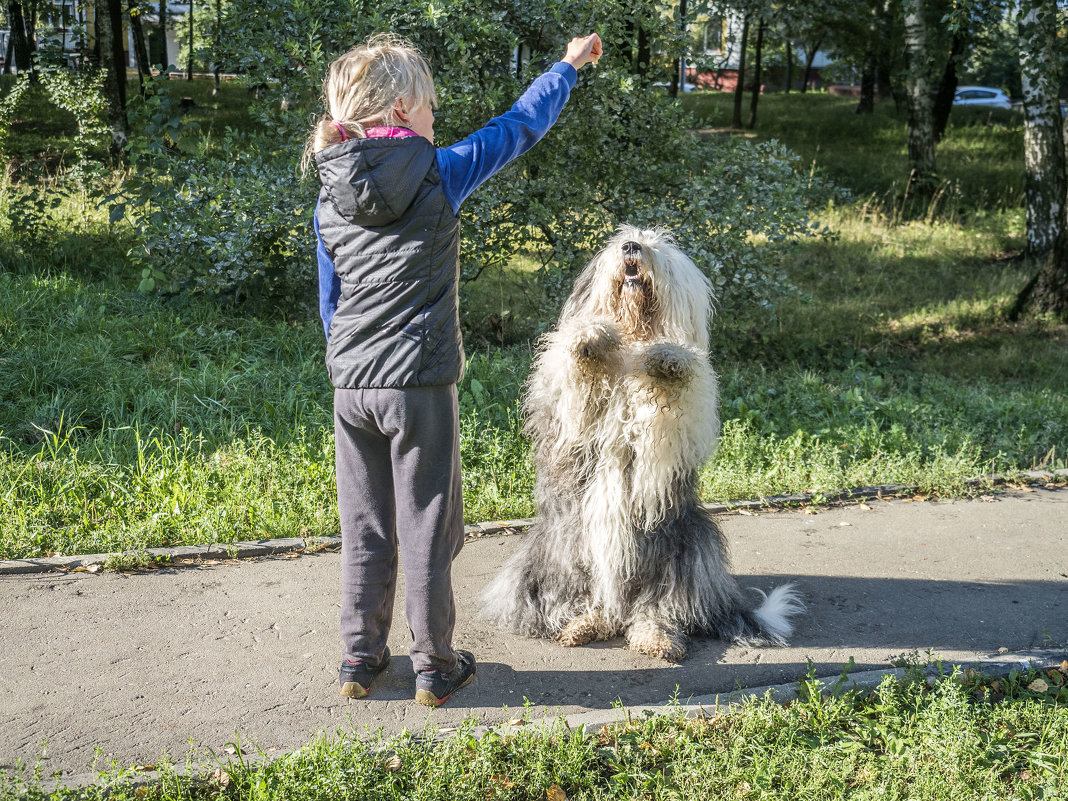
{"x": 388, "y": 132}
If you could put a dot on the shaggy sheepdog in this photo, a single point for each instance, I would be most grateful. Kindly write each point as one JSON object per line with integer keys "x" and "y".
{"x": 621, "y": 408}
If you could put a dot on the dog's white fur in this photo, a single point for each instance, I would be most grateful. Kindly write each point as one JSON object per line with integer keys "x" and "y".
{"x": 621, "y": 408}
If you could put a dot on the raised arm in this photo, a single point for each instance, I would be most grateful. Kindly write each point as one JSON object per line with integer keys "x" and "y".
{"x": 468, "y": 164}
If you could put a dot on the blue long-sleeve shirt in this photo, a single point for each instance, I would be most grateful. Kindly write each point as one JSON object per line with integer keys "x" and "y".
{"x": 471, "y": 162}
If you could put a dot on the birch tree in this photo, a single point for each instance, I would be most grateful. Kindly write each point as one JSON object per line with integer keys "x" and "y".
{"x": 757, "y": 56}
{"x": 1046, "y": 176}
{"x": 1043, "y": 143}
{"x": 739, "y": 88}
{"x": 921, "y": 144}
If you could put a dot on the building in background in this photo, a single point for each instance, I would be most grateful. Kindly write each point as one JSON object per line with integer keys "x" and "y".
{"x": 66, "y": 26}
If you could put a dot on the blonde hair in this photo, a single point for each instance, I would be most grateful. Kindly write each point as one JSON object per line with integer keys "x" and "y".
{"x": 362, "y": 87}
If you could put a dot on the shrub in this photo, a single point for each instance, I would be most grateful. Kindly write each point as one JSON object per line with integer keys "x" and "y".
{"x": 233, "y": 228}
{"x": 220, "y": 218}
{"x": 622, "y": 152}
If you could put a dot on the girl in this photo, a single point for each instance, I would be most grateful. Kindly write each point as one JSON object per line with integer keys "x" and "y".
{"x": 388, "y": 249}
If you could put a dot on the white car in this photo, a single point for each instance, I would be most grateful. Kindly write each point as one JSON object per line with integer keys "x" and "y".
{"x": 981, "y": 96}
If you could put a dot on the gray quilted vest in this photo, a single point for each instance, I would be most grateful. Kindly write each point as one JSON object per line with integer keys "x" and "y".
{"x": 395, "y": 243}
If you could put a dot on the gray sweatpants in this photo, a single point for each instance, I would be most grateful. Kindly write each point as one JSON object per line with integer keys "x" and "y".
{"x": 398, "y": 481}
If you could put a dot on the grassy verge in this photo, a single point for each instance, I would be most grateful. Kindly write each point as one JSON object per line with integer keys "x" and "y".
{"x": 966, "y": 736}
{"x": 129, "y": 421}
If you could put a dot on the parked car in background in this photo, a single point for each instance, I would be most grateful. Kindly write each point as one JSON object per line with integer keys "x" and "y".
{"x": 981, "y": 96}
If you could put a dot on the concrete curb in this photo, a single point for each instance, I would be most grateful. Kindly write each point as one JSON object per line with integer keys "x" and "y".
{"x": 192, "y": 554}
{"x": 696, "y": 707}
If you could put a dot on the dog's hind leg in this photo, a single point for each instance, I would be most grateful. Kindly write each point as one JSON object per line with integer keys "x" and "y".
{"x": 650, "y": 637}
{"x": 586, "y": 628}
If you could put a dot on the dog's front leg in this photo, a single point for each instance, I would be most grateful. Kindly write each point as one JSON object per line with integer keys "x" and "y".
{"x": 651, "y": 637}
{"x": 586, "y": 628}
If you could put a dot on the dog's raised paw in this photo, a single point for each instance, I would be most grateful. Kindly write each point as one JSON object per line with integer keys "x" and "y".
{"x": 596, "y": 342}
{"x": 670, "y": 363}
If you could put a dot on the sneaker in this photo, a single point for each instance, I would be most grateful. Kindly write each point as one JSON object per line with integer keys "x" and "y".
{"x": 433, "y": 687}
{"x": 356, "y": 677}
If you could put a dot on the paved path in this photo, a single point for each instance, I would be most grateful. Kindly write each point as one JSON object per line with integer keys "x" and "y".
{"x": 141, "y": 664}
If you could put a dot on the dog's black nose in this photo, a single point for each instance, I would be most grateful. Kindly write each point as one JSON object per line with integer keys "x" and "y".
{"x": 631, "y": 248}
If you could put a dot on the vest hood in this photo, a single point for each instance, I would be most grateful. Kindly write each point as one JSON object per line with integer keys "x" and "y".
{"x": 372, "y": 182}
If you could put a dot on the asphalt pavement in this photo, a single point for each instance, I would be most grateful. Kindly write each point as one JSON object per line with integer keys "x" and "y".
{"x": 120, "y": 668}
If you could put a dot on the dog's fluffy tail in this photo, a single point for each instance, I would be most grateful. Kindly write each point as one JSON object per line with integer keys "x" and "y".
{"x": 781, "y": 604}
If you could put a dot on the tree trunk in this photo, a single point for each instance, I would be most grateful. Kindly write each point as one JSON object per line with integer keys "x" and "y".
{"x": 866, "y": 105}
{"x": 95, "y": 57}
{"x": 920, "y": 122}
{"x": 30, "y": 16}
{"x": 109, "y": 26}
{"x": 810, "y": 57}
{"x": 9, "y": 51}
{"x": 755, "y": 97}
{"x": 1050, "y": 293}
{"x": 1044, "y": 154}
{"x": 20, "y": 41}
{"x": 947, "y": 87}
{"x": 739, "y": 89}
{"x": 788, "y": 81}
{"x": 165, "y": 60}
{"x": 868, "y": 70}
{"x": 189, "y": 71}
{"x": 884, "y": 54}
{"x": 218, "y": 60}
{"x": 1051, "y": 289}
{"x": 678, "y": 77}
{"x": 144, "y": 66}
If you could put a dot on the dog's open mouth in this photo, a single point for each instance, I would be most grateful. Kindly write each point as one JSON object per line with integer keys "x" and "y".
{"x": 632, "y": 273}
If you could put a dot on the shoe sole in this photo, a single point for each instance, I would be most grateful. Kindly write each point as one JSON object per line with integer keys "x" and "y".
{"x": 353, "y": 689}
{"x": 427, "y": 698}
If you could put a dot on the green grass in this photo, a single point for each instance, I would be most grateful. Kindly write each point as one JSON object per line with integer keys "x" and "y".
{"x": 41, "y": 134}
{"x": 980, "y": 159}
{"x": 965, "y": 737}
{"x": 129, "y": 421}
